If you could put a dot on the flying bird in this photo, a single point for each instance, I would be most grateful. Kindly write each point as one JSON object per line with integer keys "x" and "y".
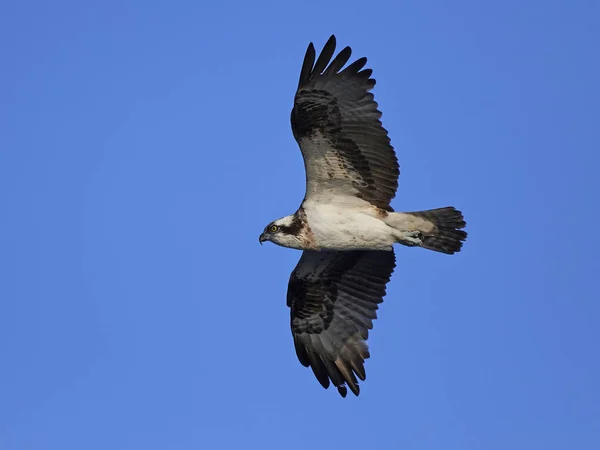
{"x": 345, "y": 225}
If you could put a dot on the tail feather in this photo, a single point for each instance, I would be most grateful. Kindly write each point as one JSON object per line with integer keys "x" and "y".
{"x": 447, "y": 236}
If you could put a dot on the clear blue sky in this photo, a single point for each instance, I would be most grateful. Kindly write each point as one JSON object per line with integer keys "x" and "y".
{"x": 145, "y": 145}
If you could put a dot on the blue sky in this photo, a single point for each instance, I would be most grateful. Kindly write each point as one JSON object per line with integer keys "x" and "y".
{"x": 144, "y": 146}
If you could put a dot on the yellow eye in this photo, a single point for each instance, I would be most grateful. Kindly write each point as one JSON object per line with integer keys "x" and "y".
{"x": 274, "y": 228}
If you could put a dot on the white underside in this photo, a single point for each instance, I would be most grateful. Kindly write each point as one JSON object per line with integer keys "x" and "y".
{"x": 349, "y": 227}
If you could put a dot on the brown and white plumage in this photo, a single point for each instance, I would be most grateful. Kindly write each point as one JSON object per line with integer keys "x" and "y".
{"x": 336, "y": 122}
{"x": 345, "y": 224}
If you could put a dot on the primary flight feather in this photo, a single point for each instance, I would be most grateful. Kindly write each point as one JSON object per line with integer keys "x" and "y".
{"x": 345, "y": 224}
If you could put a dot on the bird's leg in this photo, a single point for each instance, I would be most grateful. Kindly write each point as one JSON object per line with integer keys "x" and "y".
{"x": 411, "y": 238}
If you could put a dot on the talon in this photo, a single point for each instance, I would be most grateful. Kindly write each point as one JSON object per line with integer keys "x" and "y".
{"x": 413, "y": 237}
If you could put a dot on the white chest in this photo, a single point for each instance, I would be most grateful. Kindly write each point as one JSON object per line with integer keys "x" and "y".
{"x": 346, "y": 228}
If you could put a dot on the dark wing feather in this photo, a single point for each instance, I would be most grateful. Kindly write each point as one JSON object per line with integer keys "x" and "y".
{"x": 337, "y": 125}
{"x": 333, "y": 297}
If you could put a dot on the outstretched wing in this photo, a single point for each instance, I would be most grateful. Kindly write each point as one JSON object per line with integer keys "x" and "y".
{"x": 336, "y": 123}
{"x": 333, "y": 298}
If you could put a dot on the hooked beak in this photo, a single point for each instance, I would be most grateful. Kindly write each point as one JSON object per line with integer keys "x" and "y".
{"x": 262, "y": 238}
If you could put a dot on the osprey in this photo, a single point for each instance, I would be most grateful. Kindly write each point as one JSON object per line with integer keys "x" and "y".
{"x": 345, "y": 224}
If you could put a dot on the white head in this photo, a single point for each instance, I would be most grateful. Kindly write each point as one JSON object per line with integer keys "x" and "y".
{"x": 286, "y": 232}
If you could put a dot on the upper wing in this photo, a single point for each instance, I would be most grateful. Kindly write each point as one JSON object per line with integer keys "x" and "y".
{"x": 333, "y": 298}
{"x": 336, "y": 123}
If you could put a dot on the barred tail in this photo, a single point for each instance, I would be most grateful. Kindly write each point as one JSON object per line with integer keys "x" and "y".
{"x": 446, "y": 236}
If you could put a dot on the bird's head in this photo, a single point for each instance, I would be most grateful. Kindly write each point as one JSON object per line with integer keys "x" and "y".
{"x": 284, "y": 232}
